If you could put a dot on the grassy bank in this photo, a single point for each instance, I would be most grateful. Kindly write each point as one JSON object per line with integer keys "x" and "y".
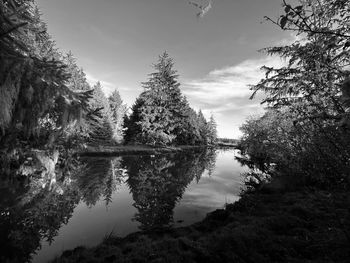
{"x": 133, "y": 150}
{"x": 266, "y": 225}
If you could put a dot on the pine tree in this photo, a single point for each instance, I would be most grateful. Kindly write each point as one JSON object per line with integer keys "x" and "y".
{"x": 34, "y": 97}
{"x": 187, "y": 130}
{"x": 160, "y": 111}
{"x": 203, "y": 128}
{"x": 103, "y": 130}
{"x": 131, "y": 123}
{"x": 161, "y": 114}
{"x": 212, "y": 131}
{"x": 118, "y": 110}
{"x": 77, "y": 80}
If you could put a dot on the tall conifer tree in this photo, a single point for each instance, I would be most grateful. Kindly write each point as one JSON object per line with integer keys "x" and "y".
{"x": 212, "y": 132}
{"x": 162, "y": 99}
{"x": 203, "y": 128}
{"x": 118, "y": 110}
{"x": 162, "y": 115}
{"x": 103, "y": 128}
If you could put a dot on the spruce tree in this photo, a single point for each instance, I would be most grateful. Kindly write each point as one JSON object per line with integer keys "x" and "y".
{"x": 160, "y": 111}
{"x": 187, "y": 130}
{"x": 102, "y": 133}
{"x": 203, "y": 128}
{"x": 161, "y": 114}
{"x": 212, "y": 131}
{"x": 34, "y": 98}
{"x": 118, "y": 110}
{"x": 77, "y": 80}
{"x": 131, "y": 123}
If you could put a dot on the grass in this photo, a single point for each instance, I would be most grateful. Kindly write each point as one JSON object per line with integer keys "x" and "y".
{"x": 297, "y": 225}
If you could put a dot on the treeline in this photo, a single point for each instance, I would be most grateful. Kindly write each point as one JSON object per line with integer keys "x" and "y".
{"x": 304, "y": 134}
{"x": 227, "y": 141}
{"x": 45, "y": 98}
{"x": 161, "y": 115}
{"x": 46, "y": 101}
{"x": 107, "y": 126}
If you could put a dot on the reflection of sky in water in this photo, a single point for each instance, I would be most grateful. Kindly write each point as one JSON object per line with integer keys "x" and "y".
{"x": 89, "y": 225}
{"x": 211, "y": 192}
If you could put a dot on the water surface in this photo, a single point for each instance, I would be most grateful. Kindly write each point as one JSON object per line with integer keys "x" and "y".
{"x": 117, "y": 195}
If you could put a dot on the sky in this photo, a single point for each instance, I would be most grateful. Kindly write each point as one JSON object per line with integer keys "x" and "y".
{"x": 117, "y": 41}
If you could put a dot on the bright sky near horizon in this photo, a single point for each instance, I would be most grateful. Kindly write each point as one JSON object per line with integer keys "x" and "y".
{"x": 117, "y": 41}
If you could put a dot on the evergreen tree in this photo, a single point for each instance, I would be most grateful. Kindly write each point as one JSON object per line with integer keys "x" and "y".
{"x": 187, "y": 130}
{"x": 77, "y": 80}
{"x": 131, "y": 123}
{"x": 203, "y": 128}
{"x": 160, "y": 111}
{"x": 118, "y": 110}
{"x": 212, "y": 132}
{"x": 162, "y": 115}
{"x": 103, "y": 129}
{"x": 35, "y": 100}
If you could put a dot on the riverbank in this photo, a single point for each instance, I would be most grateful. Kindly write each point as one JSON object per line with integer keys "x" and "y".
{"x": 266, "y": 225}
{"x": 227, "y": 145}
{"x": 135, "y": 150}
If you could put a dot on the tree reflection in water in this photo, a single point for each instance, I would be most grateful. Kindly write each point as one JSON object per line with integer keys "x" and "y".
{"x": 34, "y": 208}
{"x": 31, "y": 214}
{"x": 99, "y": 178}
{"x": 158, "y": 182}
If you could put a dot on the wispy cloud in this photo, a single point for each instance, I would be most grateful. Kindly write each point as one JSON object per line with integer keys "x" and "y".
{"x": 228, "y": 87}
{"x": 108, "y": 87}
{"x": 225, "y": 92}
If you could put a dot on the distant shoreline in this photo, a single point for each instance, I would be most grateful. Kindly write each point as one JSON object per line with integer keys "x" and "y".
{"x": 101, "y": 151}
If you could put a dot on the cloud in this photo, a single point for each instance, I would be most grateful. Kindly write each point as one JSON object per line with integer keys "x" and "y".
{"x": 222, "y": 85}
{"x": 225, "y": 93}
{"x": 107, "y": 87}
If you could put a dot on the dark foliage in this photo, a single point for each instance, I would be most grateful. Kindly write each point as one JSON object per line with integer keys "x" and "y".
{"x": 305, "y": 132}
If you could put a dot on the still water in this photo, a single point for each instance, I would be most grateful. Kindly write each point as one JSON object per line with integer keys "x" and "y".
{"x": 118, "y": 195}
